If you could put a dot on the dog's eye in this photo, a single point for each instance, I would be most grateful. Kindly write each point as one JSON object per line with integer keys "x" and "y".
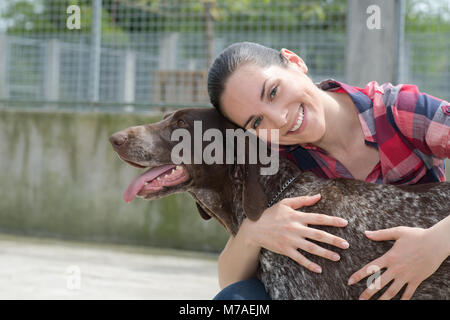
{"x": 181, "y": 123}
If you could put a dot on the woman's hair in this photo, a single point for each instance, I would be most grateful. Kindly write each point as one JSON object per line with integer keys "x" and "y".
{"x": 231, "y": 58}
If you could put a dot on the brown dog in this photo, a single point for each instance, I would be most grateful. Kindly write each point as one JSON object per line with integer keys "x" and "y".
{"x": 229, "y": 192}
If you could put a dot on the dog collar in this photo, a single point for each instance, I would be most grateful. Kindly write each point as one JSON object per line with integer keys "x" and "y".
{"x": 283, "y": 187}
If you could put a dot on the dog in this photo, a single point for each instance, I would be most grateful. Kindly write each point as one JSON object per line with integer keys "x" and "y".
{"x": 231, "y": 192}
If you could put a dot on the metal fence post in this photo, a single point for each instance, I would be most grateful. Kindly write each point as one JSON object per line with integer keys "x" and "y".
{"x": 51, "y": 70}
{"x": 4, "y": 92}
{"x": 400, "y": 63}
{"x": 96, "y": 49}
{"x": 168, "y": 51}
{"x": 209, "y": 33}
{"x": 129, "y": 75}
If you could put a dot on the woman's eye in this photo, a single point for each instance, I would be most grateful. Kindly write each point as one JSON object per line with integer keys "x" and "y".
{"x": 257, "y": 122}
{"x": 273, "y": 93}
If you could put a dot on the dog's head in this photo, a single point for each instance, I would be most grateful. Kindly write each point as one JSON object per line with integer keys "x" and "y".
{"x": 157, "y": 148}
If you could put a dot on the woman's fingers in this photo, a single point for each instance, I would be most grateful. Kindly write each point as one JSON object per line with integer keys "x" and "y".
{"x": 378, "y": 284}
{"x": 313, "y": 218}
{"x": 298, "y": 202}
{"x": 301, "y": 260}
{"x": 322, "y": 236}
{"x": 318, "y": 250}
{"x": 322, "y": 220}
{"x": 369, "y": 269}
{"x": 409, "y": 291}
{"x": 393, "y": 289}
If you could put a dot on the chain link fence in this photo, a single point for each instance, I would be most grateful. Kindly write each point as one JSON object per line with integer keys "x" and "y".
{"x": 148, "y": 54}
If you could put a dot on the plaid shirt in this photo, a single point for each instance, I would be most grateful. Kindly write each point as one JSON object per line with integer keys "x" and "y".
{"x": 410, "y": 129}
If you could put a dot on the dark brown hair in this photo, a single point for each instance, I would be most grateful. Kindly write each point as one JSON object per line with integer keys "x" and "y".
{"x": 234, "y": 56}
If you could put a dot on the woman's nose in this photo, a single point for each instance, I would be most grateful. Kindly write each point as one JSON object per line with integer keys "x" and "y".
{"x": 278, "y": 117}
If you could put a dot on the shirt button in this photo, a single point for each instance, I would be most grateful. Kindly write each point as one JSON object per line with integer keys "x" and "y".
{"x": 446, "y": 110}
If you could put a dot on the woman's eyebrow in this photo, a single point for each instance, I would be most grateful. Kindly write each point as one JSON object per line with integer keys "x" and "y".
{"x": 263, "y": 90}
{"x": 248, "y": 120}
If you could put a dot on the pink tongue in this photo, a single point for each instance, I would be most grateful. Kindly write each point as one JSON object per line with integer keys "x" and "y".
{"x": 138, "y": 182}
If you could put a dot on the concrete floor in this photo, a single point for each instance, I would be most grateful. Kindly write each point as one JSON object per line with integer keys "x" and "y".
{"x": 34, "y": 268}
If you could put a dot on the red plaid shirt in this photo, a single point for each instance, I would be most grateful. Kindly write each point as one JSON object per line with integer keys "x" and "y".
{"x": 410, "y": 129}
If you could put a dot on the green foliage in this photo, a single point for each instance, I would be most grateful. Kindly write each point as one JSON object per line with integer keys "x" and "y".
{"x": 46, "y": 16}
{"x": 126, "y": 16}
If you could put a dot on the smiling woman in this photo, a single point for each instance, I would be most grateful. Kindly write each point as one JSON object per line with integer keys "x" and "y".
{"x": 378, "y": 134}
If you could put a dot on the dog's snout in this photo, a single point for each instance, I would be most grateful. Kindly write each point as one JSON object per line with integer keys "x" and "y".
{"x": 118, "y": 139}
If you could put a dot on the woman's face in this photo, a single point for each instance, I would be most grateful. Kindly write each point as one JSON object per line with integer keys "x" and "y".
{"x": 275, "y": 98}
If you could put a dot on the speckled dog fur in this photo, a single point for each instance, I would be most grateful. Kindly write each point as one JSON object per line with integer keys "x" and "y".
{"x": 228, "y": 193}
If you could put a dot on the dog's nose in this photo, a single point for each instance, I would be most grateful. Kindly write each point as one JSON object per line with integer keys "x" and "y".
{"x": 118, "y": 139}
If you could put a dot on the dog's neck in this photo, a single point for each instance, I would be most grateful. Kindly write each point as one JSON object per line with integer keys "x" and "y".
{"x": 286, "y": 171}
{"x": 215, "y": 199}
{"x": 221, "y": 188}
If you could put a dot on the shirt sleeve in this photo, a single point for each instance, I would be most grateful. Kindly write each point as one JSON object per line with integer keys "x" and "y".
{"x": 424, "y": 120}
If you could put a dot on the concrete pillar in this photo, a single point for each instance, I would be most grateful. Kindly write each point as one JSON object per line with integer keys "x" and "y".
{"x": 374, "y": 38}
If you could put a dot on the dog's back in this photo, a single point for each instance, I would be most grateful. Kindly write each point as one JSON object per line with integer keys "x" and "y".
{"x": 366, "y": 207}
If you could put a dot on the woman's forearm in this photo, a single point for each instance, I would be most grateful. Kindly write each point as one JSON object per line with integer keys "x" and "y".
{"x": 239, "y": 259}
{"x": 442, "y": 230}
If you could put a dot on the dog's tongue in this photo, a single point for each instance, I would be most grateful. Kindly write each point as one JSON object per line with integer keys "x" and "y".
{"x": 138, "y": 182}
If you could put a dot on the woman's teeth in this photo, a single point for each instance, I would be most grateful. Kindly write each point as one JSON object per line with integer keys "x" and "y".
{"x": 299, "y": 120}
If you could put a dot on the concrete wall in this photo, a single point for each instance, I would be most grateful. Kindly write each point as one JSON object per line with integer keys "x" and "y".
{"x": 59, "y": 177}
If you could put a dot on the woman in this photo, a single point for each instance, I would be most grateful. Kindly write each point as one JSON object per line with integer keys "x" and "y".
{"x": 378, "y": 134}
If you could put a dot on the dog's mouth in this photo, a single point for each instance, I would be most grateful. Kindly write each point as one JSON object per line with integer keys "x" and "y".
{"x": 155, "y": 179}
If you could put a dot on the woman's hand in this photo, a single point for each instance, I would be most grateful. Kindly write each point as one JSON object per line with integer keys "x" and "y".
{"x": 283, "y": 230}
{"x": 416, "y": 255}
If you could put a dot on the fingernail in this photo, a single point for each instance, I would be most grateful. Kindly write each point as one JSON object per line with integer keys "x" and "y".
{"x": 318, "y": 269}
{"x": 345, "y": 244}
{"x": 350, "y": 281}
{"x": 344, "y": 222}
{"x": 336, "y": 257}
{"x": 368, "y": 233}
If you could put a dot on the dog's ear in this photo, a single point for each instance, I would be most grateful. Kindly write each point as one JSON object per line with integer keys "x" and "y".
{"x": 167, "y": 115}
{"x": 254, "y": 199}
{"x": 202, "y": 212}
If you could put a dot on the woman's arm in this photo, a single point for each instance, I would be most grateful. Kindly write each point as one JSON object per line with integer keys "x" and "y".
{"x": 280, "y": 229}
{"x": 239, "y": 259}
{"x": 441, "y": 231}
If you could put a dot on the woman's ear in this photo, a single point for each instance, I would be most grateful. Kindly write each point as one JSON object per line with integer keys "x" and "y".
{"x": 295, "y": 59}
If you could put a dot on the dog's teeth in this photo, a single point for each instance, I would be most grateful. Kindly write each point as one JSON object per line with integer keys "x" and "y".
{"x": 146, "y": 183}
{"x": 158, "y": 178}
{"x": 173, "y": 170}
{"x": 166, "y": 175}
{"x": 178, "y": 168}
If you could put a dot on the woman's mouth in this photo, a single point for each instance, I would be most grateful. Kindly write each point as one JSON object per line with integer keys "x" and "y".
{"x": 299, "y": 124}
